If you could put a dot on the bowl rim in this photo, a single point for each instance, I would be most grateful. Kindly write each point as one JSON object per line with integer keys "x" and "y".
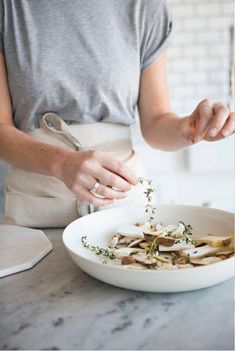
{"x": 149, "y": 271}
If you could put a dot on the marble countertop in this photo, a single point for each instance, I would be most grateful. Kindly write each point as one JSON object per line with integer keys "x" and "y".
{"x": 56, "y": 306}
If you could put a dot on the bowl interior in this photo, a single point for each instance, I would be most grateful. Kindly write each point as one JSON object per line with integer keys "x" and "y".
{"x": 100, "y": 226}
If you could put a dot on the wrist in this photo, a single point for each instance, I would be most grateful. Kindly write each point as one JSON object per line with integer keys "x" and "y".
{"x": 58, "y": 160}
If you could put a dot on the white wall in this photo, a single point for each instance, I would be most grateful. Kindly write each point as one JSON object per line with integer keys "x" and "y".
{"x": 199, "y": 67}
{"x": 200, "y": 54}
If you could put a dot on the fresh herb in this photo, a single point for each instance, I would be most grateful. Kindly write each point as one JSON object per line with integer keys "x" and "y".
{"x": 153, "y": 248}
{"x": 149, "y": 208}
{"x": 97, "y": 250}
{"x": 187, "y": 232}
{"x": 187, "y": 229}
{"x": 178, "y": 241}
{"x": 170, "y": 234}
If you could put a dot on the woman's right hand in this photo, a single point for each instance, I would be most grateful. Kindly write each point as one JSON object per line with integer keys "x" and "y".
{"x": 81, "y": 170}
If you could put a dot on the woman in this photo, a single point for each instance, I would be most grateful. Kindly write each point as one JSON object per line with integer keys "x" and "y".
{"x": 89, "y": 64}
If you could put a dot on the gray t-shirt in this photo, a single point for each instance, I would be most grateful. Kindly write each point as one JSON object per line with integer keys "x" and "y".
{"x": 81, "y": 59}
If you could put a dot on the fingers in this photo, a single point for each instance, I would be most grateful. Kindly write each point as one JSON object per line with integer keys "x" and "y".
{"x": 221, "y": 114}
{"x": 187, "y": 127}
{"x": 110, "y": 179}
{"x": 90, "y": 198}
{"x": 84, "y": 194}
{"x": 124, "y": 176}
{"x": 109, "y": 193}
{"x": 114, "y": 177}
{"x": 104, "y": 191}
{"x": 212, "y": 121}
{"x": 120, "y": 169}
{"x": 203, "y": 116}
{"x": 229, "y": 126}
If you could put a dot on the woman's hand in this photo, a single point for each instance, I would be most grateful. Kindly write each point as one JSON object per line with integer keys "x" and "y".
{"x": 210, "y": 121}
{"x": 81, "y": 170}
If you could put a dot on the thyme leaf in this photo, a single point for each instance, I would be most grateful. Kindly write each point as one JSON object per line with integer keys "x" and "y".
{"x": 96, "y": 249}
{"x": 149, "y": 208}
{"x": 153, "y": 247}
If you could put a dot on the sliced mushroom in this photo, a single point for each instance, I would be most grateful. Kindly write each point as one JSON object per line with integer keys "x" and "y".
{"x": 114, "y": 241}
{"x": 163, "y": 259}
{"x": 200, "y": 251}
{"x": 168, "y": 266}
{"x": 131, "y": 231}
{"x": 144, "y": 259}
{"x": 135, "y": 242}
{"x": 177, "y": 247}
{"x": 205, "y": 260}
{"x": 187, "y": 265}
{"x": 232, "y": 242}
{"x": 225, "y": 252}
{"x": 214, "y": 241}
{"x": 133, "y": 266}
{"x": 167, "y": 229}
{"x": 223, "y": 257}
{"x": 144, "y": 245}
{"x": 174, "y": 229}
{"x": 125, "y": 240}
{"x": 149, "y": 237}
{"x": 182, "y": 260}
{"x": 128, "y": 260}
{"x": 125, "y": 251}
{"x": 165, "y": 241}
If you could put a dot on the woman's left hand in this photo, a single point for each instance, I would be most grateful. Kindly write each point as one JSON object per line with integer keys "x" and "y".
{"x": 210, "y": 121}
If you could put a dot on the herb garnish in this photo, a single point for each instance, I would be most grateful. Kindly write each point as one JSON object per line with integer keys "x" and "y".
{"x": 97, "y": 250}
{"x": 187, "y": 232}
{"x": 149, "y": 208}
{"x": 153, "y": 247}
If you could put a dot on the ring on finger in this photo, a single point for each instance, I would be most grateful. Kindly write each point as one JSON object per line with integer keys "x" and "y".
{"x": 94, "y": 189}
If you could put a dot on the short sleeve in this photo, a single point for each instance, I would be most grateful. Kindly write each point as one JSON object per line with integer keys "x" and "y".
{"x": 157, "y": 32}
{"x": 1, "y": 26}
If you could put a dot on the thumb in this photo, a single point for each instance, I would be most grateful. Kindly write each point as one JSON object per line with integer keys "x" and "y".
{"x": 202, "y": 116}
{"x": 195, "y": 126}
{"x": 188, "y": 127}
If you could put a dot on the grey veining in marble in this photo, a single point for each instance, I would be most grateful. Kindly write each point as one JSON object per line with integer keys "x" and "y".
{"x": 57, "y": 306}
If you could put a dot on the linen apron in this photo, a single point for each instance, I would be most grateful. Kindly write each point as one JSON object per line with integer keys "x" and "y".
{"x": 39, "y": 201}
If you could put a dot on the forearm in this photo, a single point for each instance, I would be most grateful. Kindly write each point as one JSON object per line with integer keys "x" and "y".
{"x": 165, "y": 133}
{"x": 20, "y": 150}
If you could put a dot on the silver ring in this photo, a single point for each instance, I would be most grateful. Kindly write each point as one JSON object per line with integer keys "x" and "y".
{"x": 94, "y": 188}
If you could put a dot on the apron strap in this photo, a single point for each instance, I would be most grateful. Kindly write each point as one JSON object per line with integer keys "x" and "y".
{"x": 52, "y": 123}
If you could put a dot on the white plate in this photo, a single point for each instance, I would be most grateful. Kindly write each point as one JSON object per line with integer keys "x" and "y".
{"x": 100, "y": 226}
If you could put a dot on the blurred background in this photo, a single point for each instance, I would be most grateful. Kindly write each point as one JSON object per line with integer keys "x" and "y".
{"x": 200, "y": 65}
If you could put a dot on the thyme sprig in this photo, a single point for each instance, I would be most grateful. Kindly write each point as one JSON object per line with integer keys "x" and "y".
{"x": 186, "y": 234}
{"x": 149, "y": 208}
{"x": 153, "y": 248}
{"x": 97, "y": 250}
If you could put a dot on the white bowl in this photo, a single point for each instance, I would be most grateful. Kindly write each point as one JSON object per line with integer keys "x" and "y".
{"x": 100, "y": 226}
